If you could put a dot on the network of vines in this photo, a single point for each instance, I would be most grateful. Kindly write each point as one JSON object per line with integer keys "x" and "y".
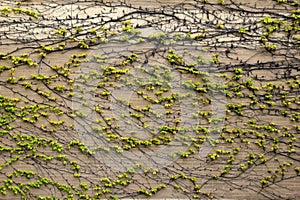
{"x": 196, "y": 99}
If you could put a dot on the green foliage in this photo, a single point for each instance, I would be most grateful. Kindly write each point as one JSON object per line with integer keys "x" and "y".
{"x": 175, "y": 59}
{"x": 243, "y": 30}
{"x": 174, "y": 101}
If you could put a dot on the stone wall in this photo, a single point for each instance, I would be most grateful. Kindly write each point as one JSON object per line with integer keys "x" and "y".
{"x": 144, "y": 99}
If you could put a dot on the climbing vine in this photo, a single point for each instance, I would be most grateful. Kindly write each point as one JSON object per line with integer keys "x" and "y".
{"x": 118, "y": 100}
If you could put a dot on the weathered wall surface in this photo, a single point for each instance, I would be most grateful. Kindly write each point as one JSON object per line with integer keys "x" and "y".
{"x": 144, "y": 99}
